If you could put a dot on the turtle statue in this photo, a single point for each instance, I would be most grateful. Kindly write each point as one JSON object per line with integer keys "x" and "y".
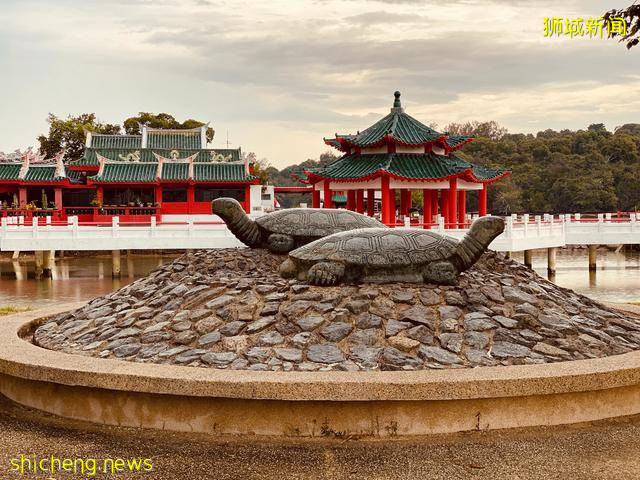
{"x": 390, "y": 255}
{"x": 284, "y": 230}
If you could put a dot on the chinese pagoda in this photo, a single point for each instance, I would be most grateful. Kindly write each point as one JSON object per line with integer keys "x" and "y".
{"x": 400, "y": 154}
{"x": 159, "y": 172}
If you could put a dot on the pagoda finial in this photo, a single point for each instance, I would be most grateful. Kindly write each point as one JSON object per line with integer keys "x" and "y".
{"x": 397, "y": 106}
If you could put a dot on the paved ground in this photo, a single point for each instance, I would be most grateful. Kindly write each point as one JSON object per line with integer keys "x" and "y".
{"x": 602, "y": 450}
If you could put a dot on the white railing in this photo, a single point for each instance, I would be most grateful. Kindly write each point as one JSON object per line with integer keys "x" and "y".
{"x": 521, "y": 233}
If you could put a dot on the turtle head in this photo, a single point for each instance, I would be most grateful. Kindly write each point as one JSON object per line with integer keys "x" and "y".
{"x": 288, "y": 269}
{"x": 475, "y": 243}
{"x": 485, "y": 229}
{"x": 226, "y": 208}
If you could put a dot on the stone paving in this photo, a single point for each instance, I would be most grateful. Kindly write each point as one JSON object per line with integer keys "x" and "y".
{"x": 229, "y": 309}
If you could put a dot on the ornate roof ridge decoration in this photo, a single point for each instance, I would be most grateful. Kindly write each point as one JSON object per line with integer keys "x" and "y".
{"x": 176, "y": 130}
{"x": 397, "y": 128}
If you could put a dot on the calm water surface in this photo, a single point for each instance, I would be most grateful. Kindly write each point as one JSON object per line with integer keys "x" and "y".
{"x": 616, "y": 280}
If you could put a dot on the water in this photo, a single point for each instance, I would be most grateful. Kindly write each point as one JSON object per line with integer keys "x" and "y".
{"x": 617, "y": 278}
{"x": 75, "y": 279}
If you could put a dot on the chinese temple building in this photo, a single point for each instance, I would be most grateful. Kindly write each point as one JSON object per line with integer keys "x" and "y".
{"x": 394, "y": 157}
{"x": 159, "y": 172}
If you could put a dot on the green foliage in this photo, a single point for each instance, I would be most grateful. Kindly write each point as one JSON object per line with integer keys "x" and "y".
{"x": 161, "y": 120}
{"x": 70, "y": 134}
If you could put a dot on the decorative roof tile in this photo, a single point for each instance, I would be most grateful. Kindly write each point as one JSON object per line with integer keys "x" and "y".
{"x": 9, "y": 171}
{"x": 41, "y": 174}
{"x": 174, "y": 139}
{"x": 175, "y": 171}
{"x": 127, "y": 173}
{"x": 116, "y": 141}
{"x": 147, "y": 155}
{"x": 220, "y": 172}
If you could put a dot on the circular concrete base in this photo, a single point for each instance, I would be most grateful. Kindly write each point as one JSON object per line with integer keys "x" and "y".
{"x": 310, "y": 404}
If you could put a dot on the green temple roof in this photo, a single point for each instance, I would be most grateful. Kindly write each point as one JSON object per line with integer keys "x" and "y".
{"x": 221, "y": 172}
{"x": 9, "y": 171}
{"x": 339, "y": 198}
{"x": 175, "y": 171}
{"x": 188, "y": 139}
{"x": 427, "y": 166}
{"x": 42, "y": 174}
{"x": 127, "y": 173}
{"x": 116, "y": 141}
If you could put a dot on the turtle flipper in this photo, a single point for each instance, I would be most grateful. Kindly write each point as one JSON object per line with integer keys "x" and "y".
{"x": 442, "y": 273}
{"x": 280, "y": 243}
{"x": 325, "y": 273}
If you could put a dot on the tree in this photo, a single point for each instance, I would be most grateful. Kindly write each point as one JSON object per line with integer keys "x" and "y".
{"x": 631, "y": 17}
{"x": 70, "y": 134}
{"x": 162, "y": 120}
{"x": 475, "y": 128}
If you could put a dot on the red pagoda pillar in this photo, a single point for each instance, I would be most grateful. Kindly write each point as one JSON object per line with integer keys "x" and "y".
{"x": 386, "y": 200}
{"x": 405, "y": 202}
{"x": 482, "y": 200}
{"x": 392, "y": 206}
{"x": 328, "y": 202}
{"x": 158, "y": 195}
{"x": 371, "y": 202}
{"x": 444, "y": 205}
{"x": 453, "y": 202}
{"x": 22, "y": 197}
{"x": 426, "y": 207}
{"x": 57, "y": 192}
{"x": 351, "y": 200}
{"x": 360, "y": 201}
{"x": 434, "y": 203}
{"x": 315, "y": 198}
{"x": 462, "y": 207}
{"x": 191, "y": 199}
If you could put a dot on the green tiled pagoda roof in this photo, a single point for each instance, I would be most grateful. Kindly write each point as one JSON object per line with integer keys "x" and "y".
{"x": 116, "y": 141}
{"x": 427, "y": 166}
{"x": 339, "y": 198}
{"x": 175, "y": 171}
{"x": 9, "y": 171}
{"x": 186, "y": 140}
{"x": 73, "y": 174}
{"x": 42, "y": 174}
{"x": 127, "y": 173}
{"x": 147, "y": 154}
{"x": 454, "y": 141}
{"x": 220, "y": 172}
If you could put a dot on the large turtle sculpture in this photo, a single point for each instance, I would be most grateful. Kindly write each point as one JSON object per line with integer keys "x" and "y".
{"x": 284, "y": 230}
{"x": 390, "y": 255}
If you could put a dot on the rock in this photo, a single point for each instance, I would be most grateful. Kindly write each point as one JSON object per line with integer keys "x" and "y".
{"x": 232, "y": 328}
{"x": 365, "y": 355}
{"x": 528, "y": 309}
{"x": 403, "y": 343}
{"x": 420, "y": 333}
{"x": 364, "y": 337}
{"x": 260, "y": 324}
{"x": 402, "y": 296}
{"x": 429, "y": 297}
{"x": 556, "y": 323}
{"x": 222, "y": 358}
{"x": 289, "y": 354}
{"x": 368, "y": 320}
{"x": 439, "y": 355}
{"x": 270, "y": 309}
{"x": 394, "y": 327}
{"x": 505, "y": 321}
{"x": 209, "y": 338}
{"x": 219, "y": 302}
{"x": 301, "y": 339}
{"x": 310, "y": 322}
{"x": 155, "y": 328}
{"x": 479, "y": 357}
{"x": 478, "y": 322}
{"x": 448, "y": 312}
{"x": 358, "y": 306}
{"x": 127, "y": 350}
{"x": 155, "y": 337}
{"x": 127, "y": 332}
{"x": 336, "y": 331}
{"x": 515, "y": 295}
{"x": 207, "y": 325}
{"x": 237, "y": 343}
{"x": 451, "y": 341}
{"x": 393, "y": 359}
{"x": 271, "y": 338}
{"x": 476, "y": 340}
{"x": 420, "y": 315}
{"x": 508, "y": 349}
{"x": 181, "y": 326}
{"x": 454, "y": 298}
{"x": 190, "y": 355}
{"x": 258, "y": 354}
{"x": 185, "y": 338}
{"x": 295, "y": 309}
{"x": 546, "y": 349}
{"x": 173, "y": 351}
{"x": 325, "y": 353}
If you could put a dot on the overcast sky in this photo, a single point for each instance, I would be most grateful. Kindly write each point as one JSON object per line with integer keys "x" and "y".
{"x": 278, "y": 75}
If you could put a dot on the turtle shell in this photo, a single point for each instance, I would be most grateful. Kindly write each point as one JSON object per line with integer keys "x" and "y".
{"x": 314, "y": 222}
{"x": 378, "y": 247}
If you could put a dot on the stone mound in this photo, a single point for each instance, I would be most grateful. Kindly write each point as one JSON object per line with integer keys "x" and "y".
{"x": 230, "y": 309}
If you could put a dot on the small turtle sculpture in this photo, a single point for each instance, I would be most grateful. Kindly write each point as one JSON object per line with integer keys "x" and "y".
{"x": 390, "y": 255}
{"x": 284, "y": 230}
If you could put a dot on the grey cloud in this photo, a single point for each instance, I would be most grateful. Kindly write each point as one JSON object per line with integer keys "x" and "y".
{"x": 382, "y": 17}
